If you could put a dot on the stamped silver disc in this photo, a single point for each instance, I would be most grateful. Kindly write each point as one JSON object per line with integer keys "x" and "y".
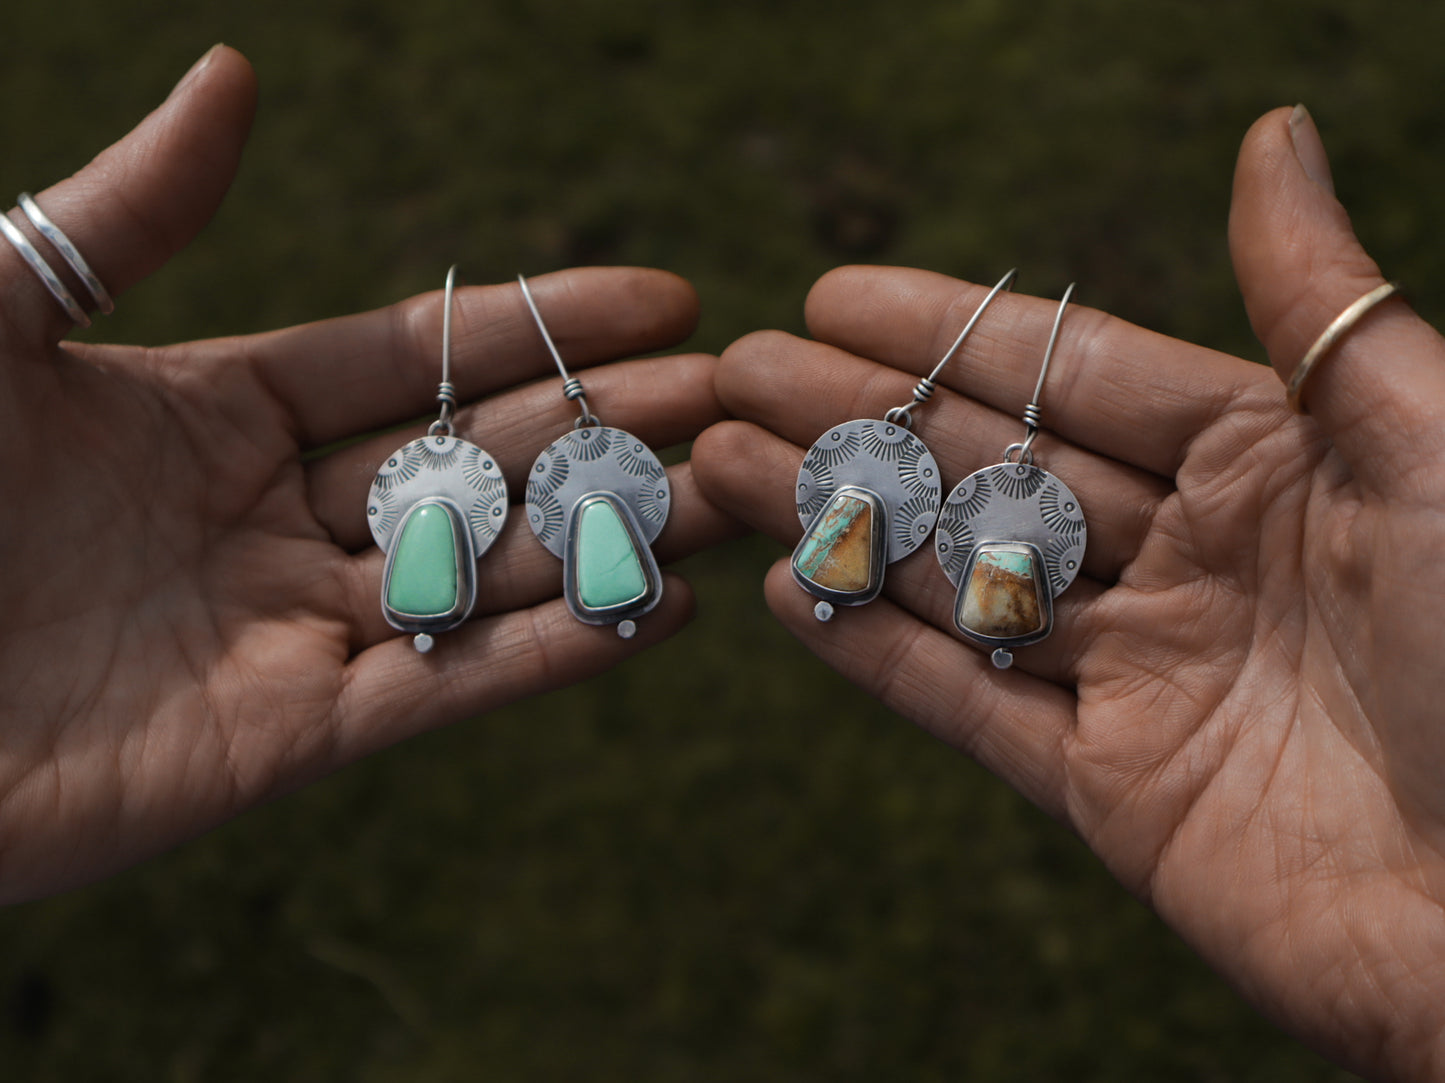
{"x": 1013, "y": 502}
{"x": 591, "y": 459}
{"x": 439, "y": 466}
{"x": 885, "y": 458}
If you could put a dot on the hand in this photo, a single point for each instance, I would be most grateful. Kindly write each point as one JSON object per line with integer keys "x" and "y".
{"x": 1240, "y": 707}
{"x": 190, "y": 614}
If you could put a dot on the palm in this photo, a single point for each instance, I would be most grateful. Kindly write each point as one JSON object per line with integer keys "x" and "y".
{"x": 1237, "y": 707}
{"x": 1242, "y": 757}
{"x": 188, "y": 591}
{"x": 190, "y": 618}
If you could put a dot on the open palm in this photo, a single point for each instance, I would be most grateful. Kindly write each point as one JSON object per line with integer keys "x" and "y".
{"x": 1240, "y": 707}
{"x": 189, "y": 612}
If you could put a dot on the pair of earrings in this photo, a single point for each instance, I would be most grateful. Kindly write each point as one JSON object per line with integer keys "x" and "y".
{"x": 1010, "y": 537}
{"x": 597, "y": 497}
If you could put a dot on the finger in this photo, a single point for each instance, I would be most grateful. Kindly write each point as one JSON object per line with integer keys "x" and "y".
{"x": 1012, "y": 723}
{"x": 1381, "y": 390}
{"x": 749, "y": 473}
{"x": 518, "y": 571}
{"x": 358, "y": 373}
{"x": 1113, "y": 388}
{"x": 663, "y": 401}
{"x": 140, "y": 201}
{"x": 393, "y": 692}
{"x": 800, "y": 389}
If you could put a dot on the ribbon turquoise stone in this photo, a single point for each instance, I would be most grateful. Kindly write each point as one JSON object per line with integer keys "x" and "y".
{"x": 423, "y": 580}
{"x": 838, "y": 551}
{"x": 609, "y": 572}
{"x": 1002, "y": 597}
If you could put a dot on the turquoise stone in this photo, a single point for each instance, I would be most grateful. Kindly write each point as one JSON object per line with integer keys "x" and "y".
{"x": 1003, "y": 598}
{"x": 609, "y": 572}
{"x": 423, "y": 575}
{"x": 838, "y": 551}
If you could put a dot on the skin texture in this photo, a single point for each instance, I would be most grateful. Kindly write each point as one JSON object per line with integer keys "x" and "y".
{"x": 190, "y": 619}
{"x": 1240, "y": 707}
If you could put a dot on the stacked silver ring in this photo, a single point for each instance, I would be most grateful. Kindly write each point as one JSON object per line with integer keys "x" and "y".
{"x": 62, "y": 244}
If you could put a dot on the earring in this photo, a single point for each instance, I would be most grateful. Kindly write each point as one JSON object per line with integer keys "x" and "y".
{"x": 868, "y": 495}
{"x": 435, "y": 507}
{"x": 1011, "y": 538}
{"x": 597, "y": 498}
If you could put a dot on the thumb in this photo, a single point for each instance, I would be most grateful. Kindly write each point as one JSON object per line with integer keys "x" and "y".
{"x": 1299, "y": 266}
{"x": 139, "y": 202}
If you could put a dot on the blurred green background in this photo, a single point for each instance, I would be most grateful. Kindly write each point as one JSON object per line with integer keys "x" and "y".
{"x": 720, "y": 862}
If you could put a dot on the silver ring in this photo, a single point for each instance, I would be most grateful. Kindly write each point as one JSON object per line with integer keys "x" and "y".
{"x": 51, "y": 232}
{"x": 40, "y": 267}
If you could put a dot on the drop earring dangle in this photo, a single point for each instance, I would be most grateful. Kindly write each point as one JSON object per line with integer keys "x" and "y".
{"x": 868, "y": 495}
{"x": 1011, "y": 538}
{"x": 597, "y": 498}
{"x": 436, "y": 505}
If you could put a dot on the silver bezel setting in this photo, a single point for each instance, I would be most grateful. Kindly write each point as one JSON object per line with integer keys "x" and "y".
{"x": 878, "y": 548}
{"x": 1046, "y": 600}
{"x": 466, "y": 573}
{"x": 623, "y": 612}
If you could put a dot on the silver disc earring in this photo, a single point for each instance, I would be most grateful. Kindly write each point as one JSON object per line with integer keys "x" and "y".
{"x": 868, "y": 495}
{"x": 597, "y": 498}
{"x": 435, "y": 507}
{"x": 1011, "y": 538}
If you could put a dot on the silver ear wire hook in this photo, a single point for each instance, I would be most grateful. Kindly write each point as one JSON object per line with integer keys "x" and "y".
{"x": 923, "y": 391}
{"x": 446, "y": 392}
{"x": 1031, "y": 411}
{"x": 571, "y": 386}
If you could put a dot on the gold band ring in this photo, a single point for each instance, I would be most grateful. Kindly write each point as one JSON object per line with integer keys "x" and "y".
{"x": 1332, "y": 334}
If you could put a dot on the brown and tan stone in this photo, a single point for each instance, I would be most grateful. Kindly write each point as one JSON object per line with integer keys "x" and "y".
{"x": 1002, "y": 598}
{"x": 837, "y": 553}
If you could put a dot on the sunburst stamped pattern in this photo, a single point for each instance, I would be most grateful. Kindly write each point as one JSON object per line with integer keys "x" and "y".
{"x": 590, "y": 443}
{"x": 1017, "y": 480}
{"x": 635, "y": 457}
{"x": 884, "y": 457}
{"x": 886, "y": 440}
{"x": 544, "y": 516}
{"x": 815, "y": 482}
{"x": 836, "y": 445}
{"x": 952, "y": 541}
{"x": 558, "y": 480}
{"x": 444, "y": 466}
{"x": 548, "y": 472}
{"x": 998, "y": 503}
{"x": 914, "y": 520}
{"x": 399, "y": 468}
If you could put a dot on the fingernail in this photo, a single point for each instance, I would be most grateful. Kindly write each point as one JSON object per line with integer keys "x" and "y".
{"x": 1310, "y": 149}
{"x": 198, "y": 67}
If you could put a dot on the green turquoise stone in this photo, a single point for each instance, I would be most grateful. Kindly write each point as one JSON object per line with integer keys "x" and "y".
{"x": 609, "y": 572}
{"x": 1014, "y": 563}
{"x": 423, "y": 581}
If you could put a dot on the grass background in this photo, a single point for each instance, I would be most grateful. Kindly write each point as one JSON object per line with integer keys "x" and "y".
{"x": 719, "y": 862}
